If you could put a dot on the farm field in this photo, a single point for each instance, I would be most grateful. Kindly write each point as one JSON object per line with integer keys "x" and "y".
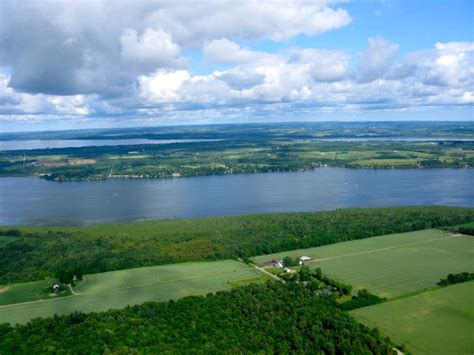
{"x": 23, "y": 292}
{"x": 434, "y": 322}
{"x": 117, "y": 289}
{"x": 391, "y": 265}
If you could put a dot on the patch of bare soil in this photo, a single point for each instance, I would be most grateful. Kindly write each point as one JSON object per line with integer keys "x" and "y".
{"x": 50, "y": 163}
{"x": 80, "y": 161}
{"x": 4, "y": 289}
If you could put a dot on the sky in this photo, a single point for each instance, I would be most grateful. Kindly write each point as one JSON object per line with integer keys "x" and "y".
{"x": 103, "y": 63}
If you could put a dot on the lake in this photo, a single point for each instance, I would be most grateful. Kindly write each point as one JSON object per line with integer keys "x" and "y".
{"x": 388, "y": 139}
{"x": 75, "y": 143}
{"x": 39, "y": 202}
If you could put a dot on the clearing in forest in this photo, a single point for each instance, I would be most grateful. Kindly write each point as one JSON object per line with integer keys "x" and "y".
{"x": 117, "y": 289}
{"x": 391, "y": 265}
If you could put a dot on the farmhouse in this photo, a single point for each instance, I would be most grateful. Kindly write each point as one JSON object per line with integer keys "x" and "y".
{"x": 277, "y": 263}
{"x": 304, "y": 259}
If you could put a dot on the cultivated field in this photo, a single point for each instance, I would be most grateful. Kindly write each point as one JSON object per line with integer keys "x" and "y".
{"x": 392, "y": 265}
{"x": 434, "y": 322}
{"x": 23, "y": 292}
{"x": 117, "y": 289}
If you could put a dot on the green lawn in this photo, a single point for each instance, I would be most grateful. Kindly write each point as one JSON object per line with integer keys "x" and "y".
{"x": 434, "y": 322}
{"x": 117, "y": 289}
{"x": 392, "y": 265}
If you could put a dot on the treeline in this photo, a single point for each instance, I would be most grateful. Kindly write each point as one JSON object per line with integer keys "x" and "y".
{"x": 467, "y": 229}
{"x": 363, "y": 299}
{"x": 269, "y": 319}
{"x": 453, "y": 279}
{"x": 42, "y": 252}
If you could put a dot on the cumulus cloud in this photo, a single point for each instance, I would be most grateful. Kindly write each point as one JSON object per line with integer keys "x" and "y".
{"x": 326, "y": 65}
{"x": 163, "y": 86}
{"x": 154, "y": 48}
{"x": 227, "y": 52}
{"x": 452, "y": 64}
{"x": 101, "y": 46}
{"x": 377, "y": 60}
{"x": 251, "y": 19}
{"x": 242, "y": 80}
{"x": 105, "y": 58}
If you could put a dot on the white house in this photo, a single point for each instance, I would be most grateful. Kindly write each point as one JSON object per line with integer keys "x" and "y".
{"x": 304, "y": 259}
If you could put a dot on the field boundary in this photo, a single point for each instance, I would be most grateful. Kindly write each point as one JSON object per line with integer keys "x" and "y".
{"x": 383, "y": 249}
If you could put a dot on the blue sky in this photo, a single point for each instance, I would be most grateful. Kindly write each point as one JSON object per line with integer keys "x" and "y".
{"x": 116, "y": 64}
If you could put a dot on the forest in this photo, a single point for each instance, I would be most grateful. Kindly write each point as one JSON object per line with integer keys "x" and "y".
{"x": 40, "y": 252}
{"x": 268, "y": 318}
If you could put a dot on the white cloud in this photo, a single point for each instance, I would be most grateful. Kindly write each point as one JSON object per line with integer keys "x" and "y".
{"x": 70, "y": 105}
{"x": 68, "y": 48}
{"x": 227, "y": 52}
{"x": 326, "y": 65}
{"x": 452, "y": 64}
{"x": 377, "y": 60}
{"x": 103, "y": 57}
{"x": 154, "y": 47}
{"x": 163, "y": 86}
{"x": 455, "y": 47}
{"x": 251, "y": 19}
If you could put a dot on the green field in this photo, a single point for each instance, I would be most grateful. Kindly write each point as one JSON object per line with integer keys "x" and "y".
{"x": 117, "y": 289}
{"x": 5, "y": 240}
{"x": 23, "y": 292}
{"x": 434, "y": 322}
{"x": 392, "y": 265}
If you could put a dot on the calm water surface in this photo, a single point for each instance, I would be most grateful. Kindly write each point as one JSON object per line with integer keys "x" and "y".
{"x": 40, "y": 202}
{"x": 390, "y": 139}
{"x": 75, "y": 143}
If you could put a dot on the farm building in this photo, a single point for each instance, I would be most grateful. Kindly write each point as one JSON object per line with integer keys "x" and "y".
{"x": 304, "y": 259}
{"x": 277, "y": 263}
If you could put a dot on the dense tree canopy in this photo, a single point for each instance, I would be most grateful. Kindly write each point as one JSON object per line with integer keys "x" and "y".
{"x": 452, "y": 279}
{"x": 269, "y": 318}
{"x": 44, "y": 251}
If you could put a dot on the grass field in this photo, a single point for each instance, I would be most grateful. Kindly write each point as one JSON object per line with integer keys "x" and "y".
{"x": 392, "y": 265}
{"x": 434, "y": 322}
{"x": 117, "y": 289}
{"x": 23, "y": 292}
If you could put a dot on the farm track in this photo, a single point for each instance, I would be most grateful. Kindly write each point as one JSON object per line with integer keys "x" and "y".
{"x": 383, "y": 249}
{"x": 268, "y": 273}
{"x": 72, "y": 290}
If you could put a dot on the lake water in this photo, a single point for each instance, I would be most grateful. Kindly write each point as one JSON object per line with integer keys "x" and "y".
{"x": 75, "y": 143}
{"x": 390, "y": 139}
{"x": 41, "y": 202}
